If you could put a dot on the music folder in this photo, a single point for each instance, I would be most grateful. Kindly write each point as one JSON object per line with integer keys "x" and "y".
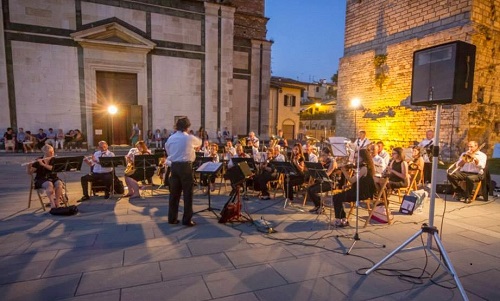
{"x": 112, "y": 161}
{"x": 285, "y": 168}
{"x": 62, "y": 164}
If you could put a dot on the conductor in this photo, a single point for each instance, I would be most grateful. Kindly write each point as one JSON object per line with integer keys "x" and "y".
{"x": 180, "y": 149}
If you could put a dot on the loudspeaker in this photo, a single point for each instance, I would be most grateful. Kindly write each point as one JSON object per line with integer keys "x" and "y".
{"x": 238, "y": 173}
{"x": 444, "y": 188}
{"x": 443, "y": 74}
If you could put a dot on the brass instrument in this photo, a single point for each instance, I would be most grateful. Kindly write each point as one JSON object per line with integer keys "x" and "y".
{"x": 412, "y": 166}
{"x": 466, "y": 157}
{"x": 243, "y": 141}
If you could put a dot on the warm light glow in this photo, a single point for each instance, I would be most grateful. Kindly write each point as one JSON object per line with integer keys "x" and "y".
{"x": 355, "y": 103}
{"x": 112, "y": 109}
{"x": 318, "y": 104}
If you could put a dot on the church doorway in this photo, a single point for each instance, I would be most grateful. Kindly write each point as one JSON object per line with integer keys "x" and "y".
{"x": 120, "y": 90}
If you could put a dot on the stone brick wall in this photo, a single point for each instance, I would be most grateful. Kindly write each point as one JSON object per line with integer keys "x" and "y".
{"x": 380, "y": 39}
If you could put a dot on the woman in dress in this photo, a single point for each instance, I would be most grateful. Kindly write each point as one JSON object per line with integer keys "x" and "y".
{"x": 366, "y": 186}
{"x": 140, "y": 173}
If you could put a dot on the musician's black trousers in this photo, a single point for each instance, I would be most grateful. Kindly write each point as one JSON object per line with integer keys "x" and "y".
{"x": 181, "y": 182}
{"x": 468, "y": 177}
{"x": 292, "y": 181}
{"x": 105, "y": 178}
{"x": 314, "y": 190}
{"x": 339, "y": 199}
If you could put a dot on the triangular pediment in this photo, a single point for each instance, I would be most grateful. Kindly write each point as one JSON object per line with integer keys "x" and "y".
{"x": 112, "y": 35}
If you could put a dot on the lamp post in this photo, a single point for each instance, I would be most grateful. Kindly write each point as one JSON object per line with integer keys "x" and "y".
{"x": 355, "y": 103}
{"x": 112, "y": 109}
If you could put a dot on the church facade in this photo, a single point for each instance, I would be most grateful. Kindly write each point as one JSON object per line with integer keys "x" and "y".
{"x": 64, "y": 63}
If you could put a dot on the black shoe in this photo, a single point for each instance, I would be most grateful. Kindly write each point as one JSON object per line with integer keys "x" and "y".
{"x": 173, "y": 222}
{"x": 106, "y": 197}
{"x": 189, "y": 224}
{"x": 467, "y": 201}
{"x": 84, "y": 198}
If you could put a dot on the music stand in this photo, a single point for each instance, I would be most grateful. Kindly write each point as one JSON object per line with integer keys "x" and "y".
{"x": 318, "y": 172}
{"x": 288, "y": 169}
{"x": 249, "y": 161}
{"x": 65, "y": 164}
{"x": 232, "y": 209}
{"x": 209, "y": 169}
{"x": 112, "y": 162}
{"x": 147, "y": 163}
{"x": 251, "y": 164}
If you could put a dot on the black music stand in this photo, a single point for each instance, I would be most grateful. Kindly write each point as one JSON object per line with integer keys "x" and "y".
{"x": 231, "y": 212}
{"x": 318, "y": 172}
{"x": 112, "y": 162}
{"x": 209, "y": 169}
{"x": 65, "y": 164}
{"x": 288, "y": 170}
{"x": 251, "y": 164}
{"x": 147, "y": 163}
{"x": 249, "y": 161}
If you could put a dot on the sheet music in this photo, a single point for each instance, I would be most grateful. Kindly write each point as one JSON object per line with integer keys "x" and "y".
{"x": 209, "y": 167}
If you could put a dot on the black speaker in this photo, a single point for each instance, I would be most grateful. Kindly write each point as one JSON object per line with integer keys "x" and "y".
{"x": 443, "y": 74}
{"x": 444, "y": 188}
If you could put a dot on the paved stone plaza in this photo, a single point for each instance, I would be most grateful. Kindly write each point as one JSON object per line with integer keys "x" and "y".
{"x": 121, "y": 249}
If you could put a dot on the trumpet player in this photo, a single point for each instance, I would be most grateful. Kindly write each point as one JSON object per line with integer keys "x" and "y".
{"x": 98, "y": 173}
{"x": 469, "y": 168}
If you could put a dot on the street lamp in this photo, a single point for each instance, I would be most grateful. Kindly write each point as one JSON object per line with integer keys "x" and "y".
{"x": 112, "y": 109}
{"x": 355, "y": 104}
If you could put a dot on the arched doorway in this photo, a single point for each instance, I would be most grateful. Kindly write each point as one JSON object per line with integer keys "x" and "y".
{"x": 288, "y": 127}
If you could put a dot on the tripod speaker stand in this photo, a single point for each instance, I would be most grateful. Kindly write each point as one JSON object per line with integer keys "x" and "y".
{"x": 430, "y": 229}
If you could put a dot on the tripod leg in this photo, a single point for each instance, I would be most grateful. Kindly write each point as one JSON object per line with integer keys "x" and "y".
{"x": 402, "y": 246}
{"x": 449, "y": 266}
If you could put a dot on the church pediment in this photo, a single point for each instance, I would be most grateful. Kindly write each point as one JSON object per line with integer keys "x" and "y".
{"x": 113, "y": 35}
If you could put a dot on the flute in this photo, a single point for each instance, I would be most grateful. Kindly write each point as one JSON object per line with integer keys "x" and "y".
{"x": 31, "y": 162}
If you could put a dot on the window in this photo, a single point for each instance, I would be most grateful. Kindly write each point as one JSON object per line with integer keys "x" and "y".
{"x": 289, "y": 100}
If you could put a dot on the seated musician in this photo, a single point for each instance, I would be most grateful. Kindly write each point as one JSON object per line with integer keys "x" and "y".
{"x": 214, "y": 149}
{"x": 255, "y": 141}
{"x": 378, "y": 164}
{"x": 297, "y": 159}
{"x": 98, "y": 173}
{"x": 229, "y": 150}
{"x": 140, "y": 173}
{"x": 366, "y": 187}
{"x": 470, "y": 168}
{"x": 397, "y": 170}
{"x": 255, "y": 149}
{"x": 45, "y": 178}
{"x": 309, "y": 153}
{"x": 240, "y": 153}
{"x": 416, "y": 164}
{"x": 278, "y": 155}
{"x": 329, "y": 163}
{"x": 205, "y": 148}
{"x": 267, "y": 173}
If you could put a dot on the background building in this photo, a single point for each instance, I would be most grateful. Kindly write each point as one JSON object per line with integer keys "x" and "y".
{"x": 380, "y": 39}
{"x": 62, "y": 63}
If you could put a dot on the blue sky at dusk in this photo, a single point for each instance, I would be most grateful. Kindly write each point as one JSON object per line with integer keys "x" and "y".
{"x": 308, "y": 37}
